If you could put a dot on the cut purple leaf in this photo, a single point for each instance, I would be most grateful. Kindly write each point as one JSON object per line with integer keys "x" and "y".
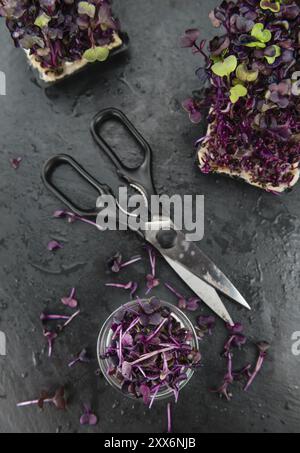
{"x": 190, "y": 38}
{"x": 54, "y": 245}
{"x": 192, "y": 108}
{"x": 16, "y": 162}
{"x": 88, "y": 418}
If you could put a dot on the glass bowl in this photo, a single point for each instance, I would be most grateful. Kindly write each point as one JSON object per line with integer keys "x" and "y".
{"x": 105, "y": 336}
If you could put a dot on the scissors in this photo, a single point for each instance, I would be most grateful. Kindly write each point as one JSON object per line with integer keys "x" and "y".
{"x": 186, "y": 259}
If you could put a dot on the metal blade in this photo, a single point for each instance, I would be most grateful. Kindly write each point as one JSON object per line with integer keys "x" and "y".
{"x": 192, "y": 258}
{"x": 206, "y": 292}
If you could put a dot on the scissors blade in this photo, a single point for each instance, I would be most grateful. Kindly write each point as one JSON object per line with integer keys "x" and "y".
{"x": 191, "y": 257}
{"x": 208, "y": 271}
{"x": 206, "y": 292}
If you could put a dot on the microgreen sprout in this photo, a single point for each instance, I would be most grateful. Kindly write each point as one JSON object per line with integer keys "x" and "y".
{"x": 116, "y": 263}
{"x": 58, "y": 400}
{"x": 70, "y": 301}
{"x": 81, "y": 357}
{"x": 152, "y": 280}
{"x": 71, "y": 217}
{"x": 228, "y": 380}
{"x": 130, "y": 286}
{"x": 237, "y": 339}
{"x": 51, "y": 335}
{"x": 263, "y": 348}
{"x": 191, "y": 304}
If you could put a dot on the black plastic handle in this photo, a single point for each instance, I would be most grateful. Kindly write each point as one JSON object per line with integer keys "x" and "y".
{"x": 141, "y": 175}
{"x": 63, "y": 159}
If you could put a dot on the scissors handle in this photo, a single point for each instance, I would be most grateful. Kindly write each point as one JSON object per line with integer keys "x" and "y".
{"x": 63, "y": 159}
{"x": 140, "y": 176}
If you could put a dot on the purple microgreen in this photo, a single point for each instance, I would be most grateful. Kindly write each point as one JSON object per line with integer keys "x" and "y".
{"x": 236, "y": 328}
{"x": 88, "y": 418}
{"x": 58, "y": 400}
{"x": 81, "y": 357}
{"x": 237, "y": 340}
{"x": 51, "y": 337}
{"x": 152, "y": 280}
{"x": 71, "y": 218}
{"x": 45, "y": 317}
{"x": 206, "y": 323}
{"x": 191, "y": 304}
{"x": 169, "y": 418}
{"x": 127, "y": 371}
{"x": 223, "y": 390}
{"x": 192, "y": 108}
{"x": 146, "y": 394}
{"x": 245, "y": 371}
{"x": 149, "y": 350}
{"x": 71, "y": 318}
{"x": 131, "y": 286}
{"x": 60, "y": 33}
{"x": 16, "y": 162}
{"x": 156, "y": 331}
{"x": 70, "y": 301}
{"x": 263, "y": 349}
{"x": 116, "y": 263}
{"x": 190, "y": 38}
{"x": 249, "y": 73}
{"x": 54, "y": 245}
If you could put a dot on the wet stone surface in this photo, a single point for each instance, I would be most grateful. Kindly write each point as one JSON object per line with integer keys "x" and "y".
{"x": 252, "y": 236}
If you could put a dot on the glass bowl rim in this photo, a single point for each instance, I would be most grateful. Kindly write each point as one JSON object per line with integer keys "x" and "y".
{"x": 105, "y": 329}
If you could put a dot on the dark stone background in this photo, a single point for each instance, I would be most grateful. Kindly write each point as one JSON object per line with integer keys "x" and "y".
{"x": 253, "y": 236}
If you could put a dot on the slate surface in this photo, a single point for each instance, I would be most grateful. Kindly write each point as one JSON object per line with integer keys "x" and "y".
{"x": 252, "y": 235}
